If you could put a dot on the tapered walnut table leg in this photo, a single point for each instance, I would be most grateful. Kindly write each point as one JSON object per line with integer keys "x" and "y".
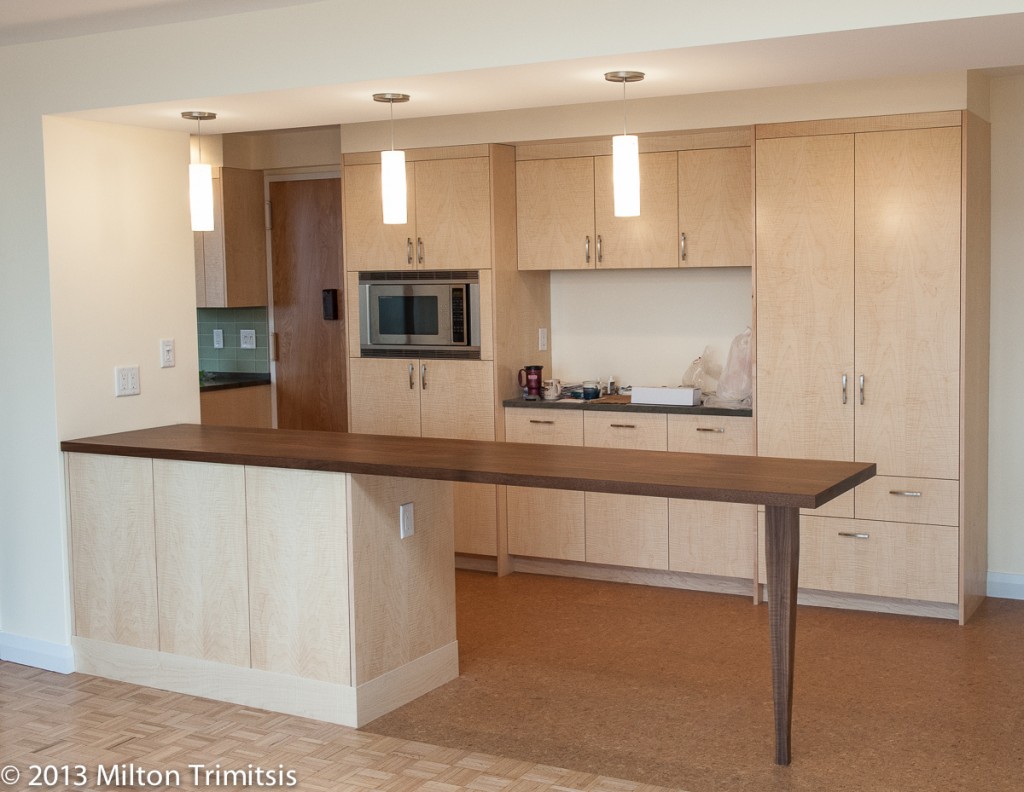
{"x": 782, "y": 558}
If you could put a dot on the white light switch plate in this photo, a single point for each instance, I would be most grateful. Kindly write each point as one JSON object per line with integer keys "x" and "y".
{"x": 167, "y": 353}
{"x": 406, "y": 523}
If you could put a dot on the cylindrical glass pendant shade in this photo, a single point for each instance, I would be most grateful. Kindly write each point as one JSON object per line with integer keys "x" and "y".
{"x": 626, "y": 175}
{"x": 393, "y": 187}
{"x": 200, "y": 196}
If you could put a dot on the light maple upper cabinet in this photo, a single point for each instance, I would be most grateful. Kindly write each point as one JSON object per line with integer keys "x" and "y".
{"x": 231, "y": 260}
{"x": 872, "y": 316}
{"x": 716, "y": 210}
{"x": 448, "y": 204}
{"x": 566, "y": 219}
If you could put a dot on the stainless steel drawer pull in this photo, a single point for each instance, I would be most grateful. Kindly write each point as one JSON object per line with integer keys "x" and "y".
{"x": 411, "y": 385}
{"x": 905, "y": 493}
{"x": 844, "y": 389}
{"x": 861, "y": 388}
{"x": 623, "y": 426}
{"x": 710, "y": 429}
{"x": 408, "y": 249}
{"x": 420, "y": 256}
{"x": 852, "y": 535}
{"x": 534, "y": 420}
{"x": 423, "y": 376}
{"x": 682, "y": 247}
{"x": 587, "y": 250}
{"x": 600, "y": 257}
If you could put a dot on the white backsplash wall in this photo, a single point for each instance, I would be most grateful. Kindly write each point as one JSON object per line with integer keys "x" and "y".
{"x": 644, "y": 327}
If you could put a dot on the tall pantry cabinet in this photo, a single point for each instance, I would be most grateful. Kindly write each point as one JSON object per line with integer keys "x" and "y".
{"x": 872, "y": 326}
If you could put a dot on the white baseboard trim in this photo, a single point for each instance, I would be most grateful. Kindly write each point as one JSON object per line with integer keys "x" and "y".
{"x": 36, "y": 653}
{"x": 1005, "y": 586}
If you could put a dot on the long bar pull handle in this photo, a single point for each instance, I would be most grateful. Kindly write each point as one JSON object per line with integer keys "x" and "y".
{"x": 861, "y": 388}
{"x": 423, "y": 375}
{"x": 587, "y": 249}
{"x": 600, "y": 257}
{"x": 419, "y": 246}
{"x": 682, "y": 247}
{"x": 716, "y": 429}
{"x": 852, "y": 535}
{"x": 412, "y": 385}
{"x": 623, "y": 426}
{"x": 534, "y": 420}
{"x": 408, "y": 249}
{"x": 844, "y": 389}
{"x": 906, "y": 493}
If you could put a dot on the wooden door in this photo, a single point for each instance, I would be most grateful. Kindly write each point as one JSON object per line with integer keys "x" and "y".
{"x": 647, "y": 241}
{"x": 385, "y": 396}
{"x": 453, "y": 214}
{"x": 908, "y": 301}
{"x": 457, "y": 399}
{"x": 369, "y": 244}
{"x": 306, "y": 255}
{"x": 716, "y": 211}
{"x": 555, "y": 214}
{"x": 805, "y": 297}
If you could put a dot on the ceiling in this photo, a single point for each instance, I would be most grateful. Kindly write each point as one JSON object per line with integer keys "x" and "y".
{"x": 982, "y": 43}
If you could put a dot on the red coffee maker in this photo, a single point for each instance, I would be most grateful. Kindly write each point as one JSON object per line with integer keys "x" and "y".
{"x": 531, "y": 380}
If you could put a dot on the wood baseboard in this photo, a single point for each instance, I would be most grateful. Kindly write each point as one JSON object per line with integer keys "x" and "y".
{"x": 832, "y": 599}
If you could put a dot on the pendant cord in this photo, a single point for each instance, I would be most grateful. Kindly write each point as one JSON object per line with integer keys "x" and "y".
{"x": 199, "y": 141}
{"x": 623, "y": 107}
{"x": 391, "y": 107}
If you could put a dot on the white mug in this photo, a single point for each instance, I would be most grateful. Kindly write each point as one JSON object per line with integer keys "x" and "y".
{"x": 551, "y": 389}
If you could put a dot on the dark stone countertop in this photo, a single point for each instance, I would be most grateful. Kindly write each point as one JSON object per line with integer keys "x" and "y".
{"x": 601, "y": 405}
{"x": 226, "y": 380}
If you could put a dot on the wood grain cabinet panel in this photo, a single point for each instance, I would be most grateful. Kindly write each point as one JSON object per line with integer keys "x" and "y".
{"x": 298, "y": 573}
{"x": 716, "y": 207}
{"x": 202, "y": 577}
{"x": 639, "y": 431}
{"x": 113, "y": 549}
{"x": 237, "y": 407}
{"x": 902, "y": 499}
{"x": 536, "y": 425}
{"x": 369, "y": 243}
{"x": 555, "y": 213}
{"x": 456, "y": 399}
{"x": 711, "y": 434}
{"x": 384, "y": 396}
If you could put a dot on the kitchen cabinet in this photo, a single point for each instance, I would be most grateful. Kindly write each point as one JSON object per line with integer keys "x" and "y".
{"x": 448, "y": 217}
{"x": 871, "y": 295}
{"x": 716, "y": 207}
{"x": 231, "y": 260}
{"x": 250, "y": 406}
{"x": 566, "y": 219}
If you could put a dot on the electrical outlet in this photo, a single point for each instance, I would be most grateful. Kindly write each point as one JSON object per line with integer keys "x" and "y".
{"x": 542, "y": 339}
{"x": 126, "y": 381}
{"x": 247, "y": 339}
{"x": 218, "y": 339}
{"x": 167, "y": 353}
{"x": 406, "y": 523}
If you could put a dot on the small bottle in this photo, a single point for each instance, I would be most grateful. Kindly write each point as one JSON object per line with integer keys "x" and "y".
{"x": 612, "y": 387}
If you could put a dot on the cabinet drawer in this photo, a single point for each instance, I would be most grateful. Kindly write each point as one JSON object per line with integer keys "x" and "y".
{"x": 537, "y": 425}
{"x": 711, "y": 434}
{"x": 935, "y": 501}
{"x": 881, "y": 559}
{"x": 637, "y": 431}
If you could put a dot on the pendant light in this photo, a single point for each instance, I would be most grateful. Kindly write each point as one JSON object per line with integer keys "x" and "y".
{"x": 200, "y": 177}
{"x": 625, "y": 156}
{"x": 392, "y": 170}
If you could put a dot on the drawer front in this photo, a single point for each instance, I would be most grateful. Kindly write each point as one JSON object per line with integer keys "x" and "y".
{"x": 711, "y": 434}
{"x": 934, "y": 501}
{"x": 537, "y": 425}
{"x": 637, "y": 431}
{"x": 881, "y": 559}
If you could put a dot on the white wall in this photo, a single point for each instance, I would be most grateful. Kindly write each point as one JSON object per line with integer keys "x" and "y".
{"x": 335, "y": 41}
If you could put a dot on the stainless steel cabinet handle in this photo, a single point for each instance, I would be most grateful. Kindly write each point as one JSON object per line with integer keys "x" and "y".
{"x": 623, "y": 426}
{"x": 587, "y": 249}
{"x": 861, "y": 388}
{"x": 423, "y": 376}
{"x": 408, "y": 249}
{"x": 852, "y": 535}
{"x": 844, "y": 389}
{"x": 682, "y": 247}
{"x": 905, "y": 493}
{"x": 600, "y": 258}
{"x": 717, "y": 430}
{"x": 412, "y": 385}
{"x": 421, "y": 256}
{"x": 534, "y": 420}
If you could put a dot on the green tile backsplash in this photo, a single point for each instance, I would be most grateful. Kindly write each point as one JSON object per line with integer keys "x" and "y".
{"x": 232, "y": 357}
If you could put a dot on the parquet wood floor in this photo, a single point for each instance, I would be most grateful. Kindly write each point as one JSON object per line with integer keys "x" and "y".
{"x": 139, "y": 734}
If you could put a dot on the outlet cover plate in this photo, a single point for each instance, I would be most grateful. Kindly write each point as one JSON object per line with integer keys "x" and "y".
{"x": 247, "y": 339}
{"x": 126, "y": 381}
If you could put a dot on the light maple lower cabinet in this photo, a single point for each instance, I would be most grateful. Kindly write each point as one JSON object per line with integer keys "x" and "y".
{"x": 249, "y": 406}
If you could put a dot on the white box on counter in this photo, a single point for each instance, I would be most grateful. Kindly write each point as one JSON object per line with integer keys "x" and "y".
{"x": 666, "y": 394}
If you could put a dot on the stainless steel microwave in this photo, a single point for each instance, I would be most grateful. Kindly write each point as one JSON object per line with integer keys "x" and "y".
{"x": 420, "y": 313}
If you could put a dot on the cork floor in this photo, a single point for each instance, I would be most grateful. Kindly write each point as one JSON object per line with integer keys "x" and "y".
{"x": 672, "y": 688}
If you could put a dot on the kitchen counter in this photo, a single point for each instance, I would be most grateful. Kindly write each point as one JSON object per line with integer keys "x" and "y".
{"x": 616, "y": 406}
{"x": 227, "y": 380}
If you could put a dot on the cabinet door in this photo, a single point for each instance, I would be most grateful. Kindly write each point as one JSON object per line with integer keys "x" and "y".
{"x": 453, "y": 214}
{"x": 555, "y": 214}
{"x": 457, "y": 399}
{"x": 908, "y": 301}
{"x": 805, "y": 267}
{"x": 385, "y": 396}
{"x": 237, "y": 407}
{"x": 369, "y": 244}
{"x": 245, "y": 237}
{"x": 649, "y": 240}
{"x": 716, "y": 207}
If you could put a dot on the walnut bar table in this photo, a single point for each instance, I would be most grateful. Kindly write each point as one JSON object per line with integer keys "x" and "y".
{"x": 165, "y": 506}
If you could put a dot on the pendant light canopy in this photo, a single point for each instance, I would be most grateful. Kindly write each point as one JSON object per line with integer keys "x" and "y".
{"x": 392, "y": 169}
{"x": 625, "y": 156}
{"x": 200, "y": 178}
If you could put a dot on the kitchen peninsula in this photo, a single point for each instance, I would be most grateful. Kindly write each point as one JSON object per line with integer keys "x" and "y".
{"x": 266, "y": 567}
